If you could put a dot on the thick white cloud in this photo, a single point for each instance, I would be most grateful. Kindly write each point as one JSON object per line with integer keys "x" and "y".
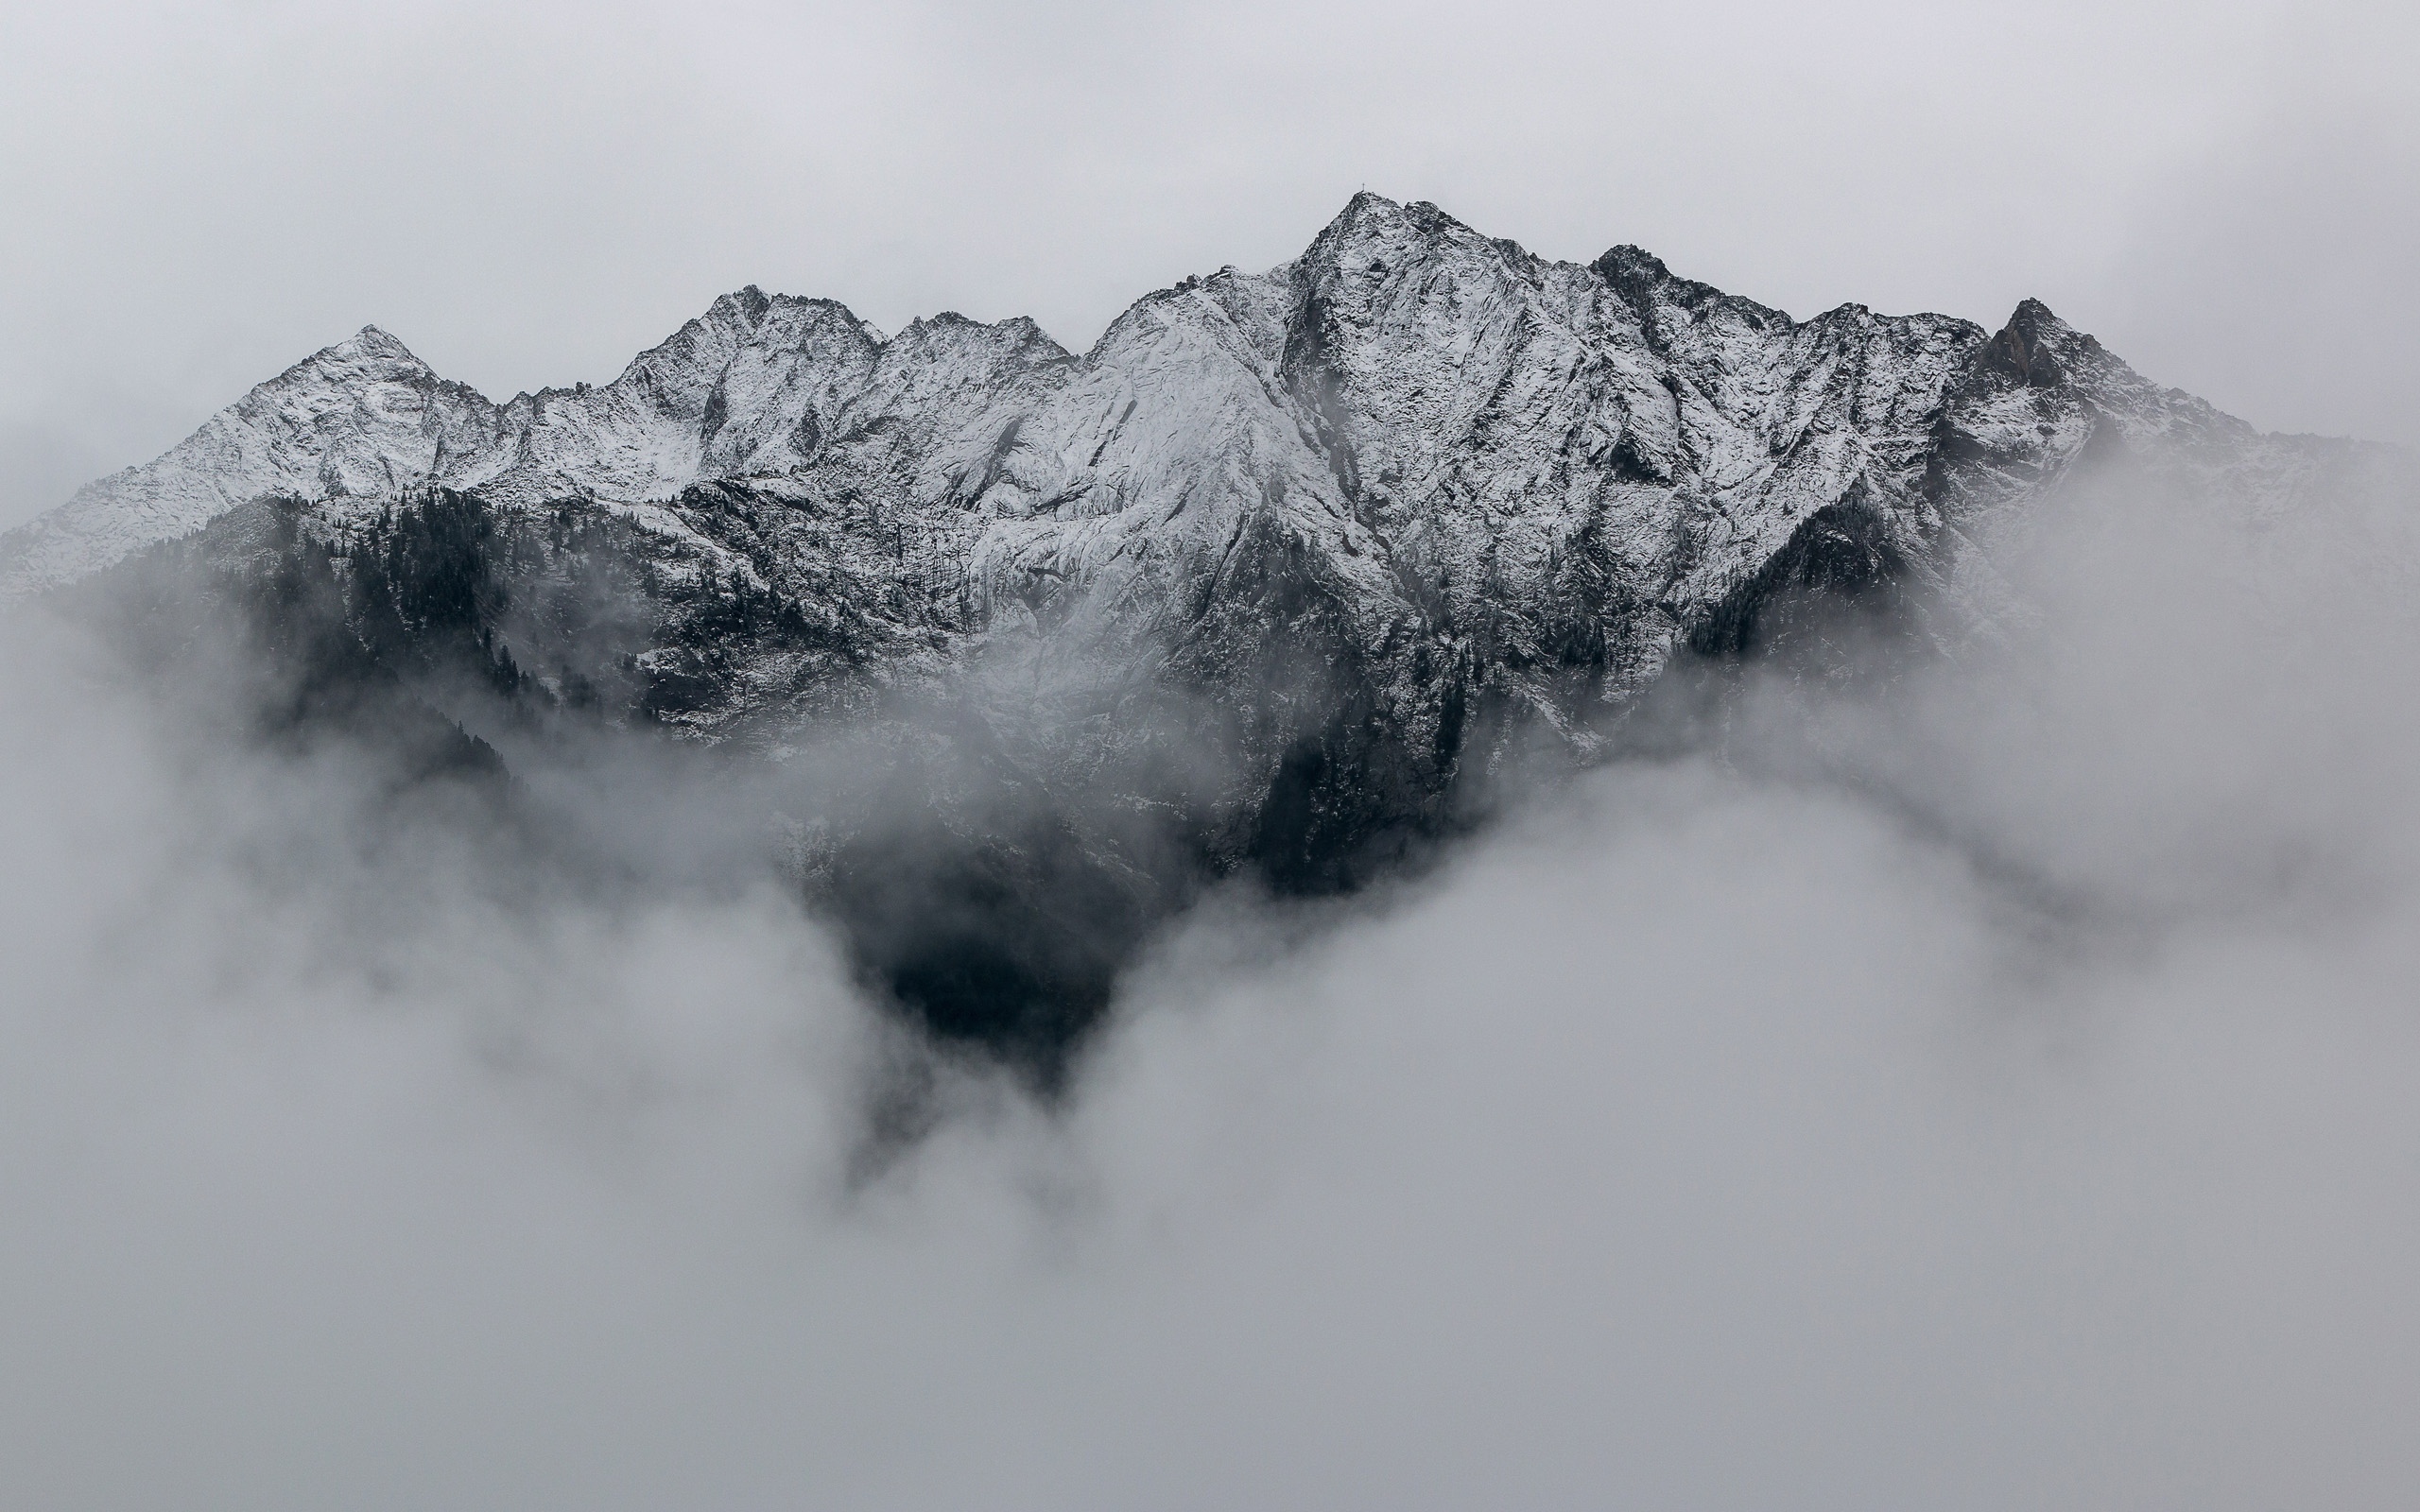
{"x": 1991, "y": 1091}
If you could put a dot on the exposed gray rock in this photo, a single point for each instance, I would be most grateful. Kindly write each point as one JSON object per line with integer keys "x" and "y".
{"x": 1279, "y": 565}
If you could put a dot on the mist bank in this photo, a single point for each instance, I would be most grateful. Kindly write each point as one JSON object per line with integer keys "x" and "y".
{"x": 1983, "y": 1082}
{"x": 994, "y": 829}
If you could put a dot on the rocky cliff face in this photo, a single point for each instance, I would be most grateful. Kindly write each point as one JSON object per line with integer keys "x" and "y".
{"x": 1282, "y": 563}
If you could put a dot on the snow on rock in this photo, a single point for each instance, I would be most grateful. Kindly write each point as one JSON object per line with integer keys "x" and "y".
{"x": 363, "y": 417}
{"x": 1417, "y": 446}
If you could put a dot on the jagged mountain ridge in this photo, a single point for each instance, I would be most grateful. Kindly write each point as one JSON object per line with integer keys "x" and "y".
{"x": 1435, "y": 467}
{"x": 1443, "y": 380}
{"x": 1278, "y": 565}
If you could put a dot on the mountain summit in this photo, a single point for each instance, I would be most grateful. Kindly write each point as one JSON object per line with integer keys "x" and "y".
{"x": 1404, "y": 358}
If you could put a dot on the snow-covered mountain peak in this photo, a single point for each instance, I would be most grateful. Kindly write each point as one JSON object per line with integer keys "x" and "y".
{"x": 1406, "y": 379}
{"x": 1267, "y": 573}
{"x": 364, "y": 416}
{"x": 2040, "y": 349}
{"x": 369, "y": 356}
{"x": 371, "y": 342}
{"x": 1374, "y": 236}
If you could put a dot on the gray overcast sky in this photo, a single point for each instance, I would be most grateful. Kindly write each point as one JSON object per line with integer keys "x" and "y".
{"x": 198, "y": 195}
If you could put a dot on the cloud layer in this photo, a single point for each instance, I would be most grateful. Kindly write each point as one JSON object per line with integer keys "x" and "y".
{"x": 1989, "y": 1088}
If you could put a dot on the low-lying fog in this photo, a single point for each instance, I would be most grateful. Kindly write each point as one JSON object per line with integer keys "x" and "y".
{"x": 1998, "y": 1090}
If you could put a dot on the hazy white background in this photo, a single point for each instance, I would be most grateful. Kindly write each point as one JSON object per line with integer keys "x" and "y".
{"x": 2033, "y": 1132}
{"x": 197, "y": 195}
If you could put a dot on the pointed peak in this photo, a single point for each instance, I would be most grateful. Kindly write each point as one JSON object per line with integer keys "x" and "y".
{"x": 1360, "y": 215}
{"x": 1626, "y": 265}
{"x": 2036, "y": 347}
{"x": 2032, "y": 315}
{"x": 369, "y": 343}
{"x": 746, "y": 305}
{"x": 372, "y": 341}
{"x": 1373, "y": 227}
{"x": 1370, "y": 209}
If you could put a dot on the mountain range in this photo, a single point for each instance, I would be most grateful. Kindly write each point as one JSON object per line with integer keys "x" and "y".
{"x": 1269, "y": 578}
